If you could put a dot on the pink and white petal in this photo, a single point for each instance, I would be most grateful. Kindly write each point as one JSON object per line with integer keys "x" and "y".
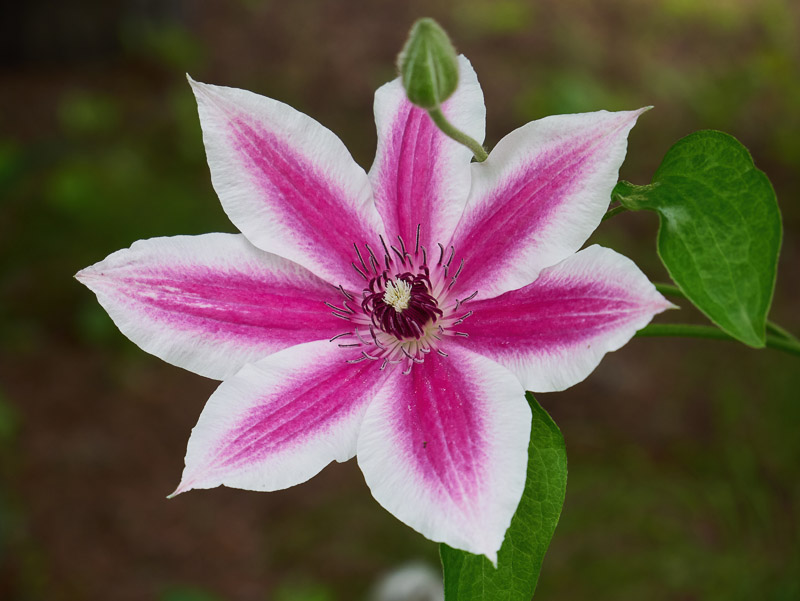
{"x": 553, "y": 333}
{"x": 421, "y": 176}
{"x": 537, "y": 198}
{"x": 288, "y": 183}
{"x": 211, "y": 303}
{"x": 278, "y": 422}
{"x": 445, "y": 449}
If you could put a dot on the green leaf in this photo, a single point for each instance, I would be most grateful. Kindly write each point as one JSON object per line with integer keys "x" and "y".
{"x": 469, "y": 577}
{"x": 720, "y": 229}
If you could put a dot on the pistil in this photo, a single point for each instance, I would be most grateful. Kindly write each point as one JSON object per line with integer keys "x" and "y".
{"x": 397, "y": 295}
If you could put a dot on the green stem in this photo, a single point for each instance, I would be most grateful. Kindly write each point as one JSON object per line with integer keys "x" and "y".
{"x": 611, "y": 212}
{"x": 669, "y": 290}
{"x": 692, "y": 331}
{"x": 459, "y": 136}
{"x": 772, "y": 328}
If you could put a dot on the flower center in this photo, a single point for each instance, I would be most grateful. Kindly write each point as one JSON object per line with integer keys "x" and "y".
{"x": 407, "y": 308}
{"x": 397, "y": 294}
{"x": 402, "y": 306}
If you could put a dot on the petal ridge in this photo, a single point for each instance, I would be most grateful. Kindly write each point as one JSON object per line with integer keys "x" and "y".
{"x": 279, "y": 421}
{"x": 419, "y": 175}
{"x": 537, "y": 198}
{"x": 210, "y": 303}
{"x": 445, "y": 449}
{"x": 554, "y": 332}
{"x": 288, "y": 183}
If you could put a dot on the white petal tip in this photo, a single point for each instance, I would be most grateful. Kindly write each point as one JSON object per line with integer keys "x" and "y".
{"x": 635, "y": 114}
{"x": 664, "y": 304}
{"x": 182, "y": 488}
{"x": 85, "y": 275}
{"x": 198, "y": 87}
{"x": 660, "y": 302}
{"x": 193, "y": 82}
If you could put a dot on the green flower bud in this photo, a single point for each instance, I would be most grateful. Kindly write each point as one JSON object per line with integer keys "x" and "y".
{"x": 428, "y": 65}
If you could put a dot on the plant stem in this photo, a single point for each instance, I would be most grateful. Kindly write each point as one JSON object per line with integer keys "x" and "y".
{"x": 611, "y": 212}
{"x": 693, "y": 331}
{"x": 459, "y": 136}
{"x": 669, "y": 290}
{"x": 772, "y": 328}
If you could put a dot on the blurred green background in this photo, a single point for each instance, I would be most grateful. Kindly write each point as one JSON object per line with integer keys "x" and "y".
{"x": 684, "y": 455}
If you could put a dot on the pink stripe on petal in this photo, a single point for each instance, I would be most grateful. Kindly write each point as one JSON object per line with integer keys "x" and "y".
{"x": 278, "y": 422}
{"x": 286, "y": 182}
{"x": 301, "y": 197}
{"x": 408, "y": 184}
{"x": 554, "y": 332}
{"x": 211, "y": 303}
{"x": 445, "y": 433}
{"x": 420, "y": 176}
{"x": 538, "y": 197}
{"x": 445, "y": 449}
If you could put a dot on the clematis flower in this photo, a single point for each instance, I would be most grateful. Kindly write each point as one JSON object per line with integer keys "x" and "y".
{"x": 398, "y": 315}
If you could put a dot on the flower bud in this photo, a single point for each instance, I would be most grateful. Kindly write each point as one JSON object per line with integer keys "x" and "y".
{"x": 428, "y": 65}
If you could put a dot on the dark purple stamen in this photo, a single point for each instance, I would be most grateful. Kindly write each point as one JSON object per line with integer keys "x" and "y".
{"x": 400, "y": 321}
{"x": 406, "y": 323}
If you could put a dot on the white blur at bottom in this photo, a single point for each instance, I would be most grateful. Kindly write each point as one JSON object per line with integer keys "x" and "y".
{"x": 410, "y": 582}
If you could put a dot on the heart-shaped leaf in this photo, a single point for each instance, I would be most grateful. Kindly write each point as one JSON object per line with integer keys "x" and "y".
{"x": 720, "y": 229}
{"x": 469, "y": 577}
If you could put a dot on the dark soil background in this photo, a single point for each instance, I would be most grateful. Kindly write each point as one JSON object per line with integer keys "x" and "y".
{"x": 684, "y": 455}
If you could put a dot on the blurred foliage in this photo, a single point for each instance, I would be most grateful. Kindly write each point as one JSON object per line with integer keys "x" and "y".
{"x": 188, "y": 594}
{"x": 100, "y": 146}
{"x": 303, "y": 592}
{"x": 503, "y": 16}
{"x": 718, "y": 521}
{"x": 9, "y": 422}
{"x": 167, "y": 44}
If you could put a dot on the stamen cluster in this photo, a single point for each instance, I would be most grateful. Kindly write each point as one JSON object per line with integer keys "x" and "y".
{"x": 408, "y": 322}
{"x": 406, "y": 309}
